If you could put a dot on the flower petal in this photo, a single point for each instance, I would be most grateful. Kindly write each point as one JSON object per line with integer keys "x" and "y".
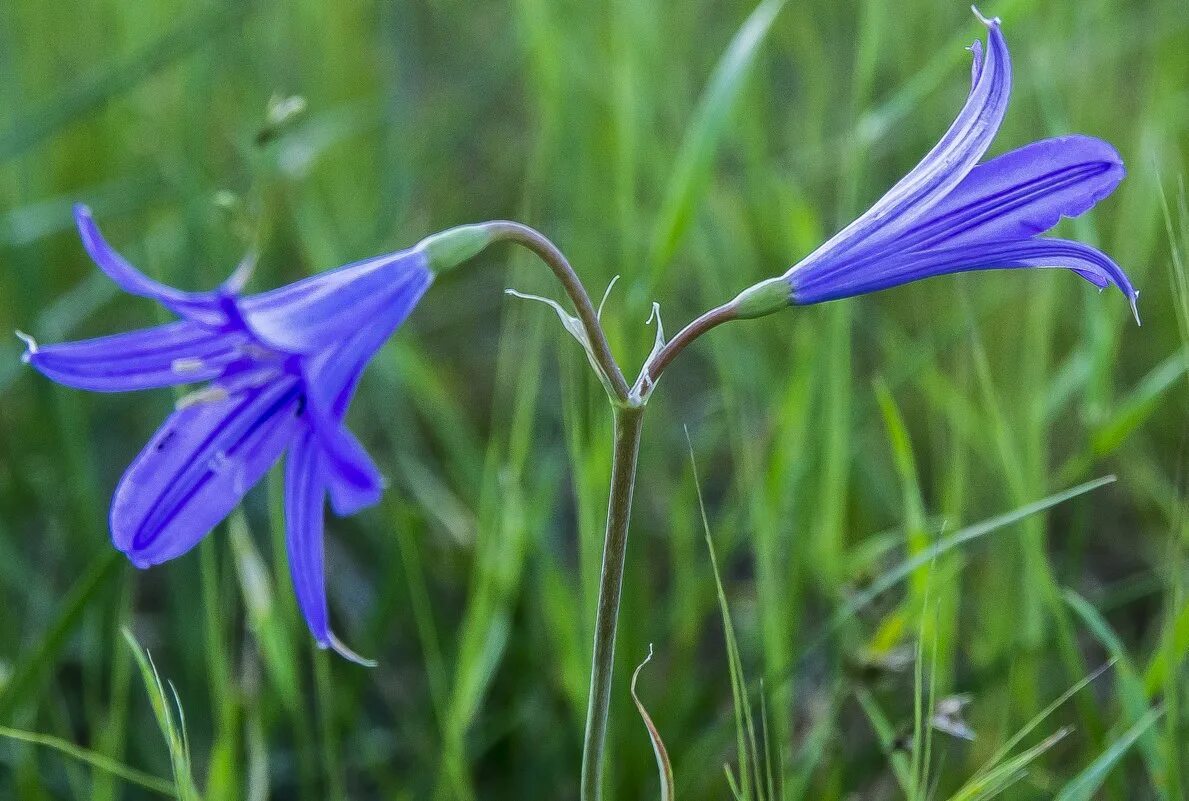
{"x": 352, "y": 477}
{"x": 331, "y": 376}
{"x": 198, "y": 466}
{"x": 303, "y": 317}
{"x": 305, "y": 493}
{"x": 1093, "y": 265}
{"x": 204, "y": 307}
{"x": 943, "y": 167}
{"x": 334, "y": 372}
{"x": 304, "y": 496}
{"x": 166, "y": 355}
{"x": 1020, "y": 194}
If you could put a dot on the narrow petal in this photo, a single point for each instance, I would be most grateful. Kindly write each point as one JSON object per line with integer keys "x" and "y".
{"x": 204, "y": 307}
{"x": 303, "y": 317}
{"x": 166, "y": 355}
{"x": 1020, "y": 194}
{"x": 305, "y": 495}
{"x": 1091, "y": 264}
{"x": 943, "y": 167}
{"x": 352, "y": 477}
{"x": 198, "y": 466}
{"x": 331, "y": 377}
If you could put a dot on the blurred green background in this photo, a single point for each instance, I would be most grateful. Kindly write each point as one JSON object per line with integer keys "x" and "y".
{"x": 690, "y": 149}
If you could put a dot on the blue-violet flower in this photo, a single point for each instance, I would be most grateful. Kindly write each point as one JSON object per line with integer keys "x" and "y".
{"x": 281, "y": 368}
{"x": 948, "y": 215}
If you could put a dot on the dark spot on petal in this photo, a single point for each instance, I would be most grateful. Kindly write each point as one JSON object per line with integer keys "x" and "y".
{"x": 166, "y": 438}
{"x": 300, "y": 408}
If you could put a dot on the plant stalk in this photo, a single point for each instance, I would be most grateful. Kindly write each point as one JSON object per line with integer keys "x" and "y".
{"x": 508, "y": 231}
{"x": 657, "y": 364}
{"x": 628, "y": 423}
{"x": 628, "y": 404}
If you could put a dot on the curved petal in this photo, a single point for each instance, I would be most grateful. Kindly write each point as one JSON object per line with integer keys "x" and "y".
{"x": 352, "y": 477}
{"x": 166, "y": 355}
{"x": 305, "y": 493}
{"x": 1090, "y": 263}
{"x": 334, "y": 372}
{"x": 943, "y": 167}
{"x": 331, "y": 376}
{"x": 303, "y": 317}
{"x": 203, "y": 307}
{"x": 198, "y": 466}
{"x": 1020, "y": 194}
{"x": 304, "y": 496}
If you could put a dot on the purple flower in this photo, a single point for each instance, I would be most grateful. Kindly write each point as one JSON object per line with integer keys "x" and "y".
{"x": 281, "y": 368}
{"x": 949, "y": 215}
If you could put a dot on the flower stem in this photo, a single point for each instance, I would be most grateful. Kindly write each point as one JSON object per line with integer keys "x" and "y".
{"x": 628, "y": 423}
{"x": 657, "y": 364}
{"x": 628, "y": 403}
{"x": 759, "y": 300}
{"x": 508, "y": 231}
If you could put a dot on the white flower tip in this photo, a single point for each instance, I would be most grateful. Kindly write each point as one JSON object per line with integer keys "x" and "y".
{"x": 336, "y": 645}
{"x": 1135, "y": 307}
{"x": 993, "y": 22}
{"x": 30, "y": 345}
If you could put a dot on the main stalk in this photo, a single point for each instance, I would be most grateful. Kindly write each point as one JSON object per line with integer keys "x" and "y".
{"x": 628, "y": 423}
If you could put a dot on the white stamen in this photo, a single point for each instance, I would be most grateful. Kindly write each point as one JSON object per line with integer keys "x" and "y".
{"x": 187, "y": 364}
{"x": 201, "y": 396}
{"x": 242, "y": 274}
{"x": 251, "y": 379}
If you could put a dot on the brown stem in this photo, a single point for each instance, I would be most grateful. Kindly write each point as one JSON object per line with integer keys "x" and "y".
{"x": 656, "y": 365}
{"x": 535, "y": 241}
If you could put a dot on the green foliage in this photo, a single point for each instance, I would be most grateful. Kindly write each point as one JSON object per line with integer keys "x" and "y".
{"x": 903, "y": 489}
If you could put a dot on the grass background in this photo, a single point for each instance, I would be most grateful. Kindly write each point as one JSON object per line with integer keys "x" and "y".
{"x": 690, "y": 148}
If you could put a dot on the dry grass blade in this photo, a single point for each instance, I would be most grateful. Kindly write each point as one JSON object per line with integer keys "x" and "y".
{"x": 663, "y": 768}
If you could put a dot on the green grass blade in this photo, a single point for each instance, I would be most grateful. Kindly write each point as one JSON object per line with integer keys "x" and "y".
{"x": 89, "y": 93}
{"x": 1006, "y": 773}
{"x": 1130, "y": 686}
{"x": 1001, "y": 755}
{"x": 172, "y": 730}
{"x": 744, "y": 747}
{"x": 35, "y": 665}
{"x": 94, "y": 759}
{"x": 1086, "y": 783}
{"x": 692, "y": 171}
{"x": 892, "y": 577}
